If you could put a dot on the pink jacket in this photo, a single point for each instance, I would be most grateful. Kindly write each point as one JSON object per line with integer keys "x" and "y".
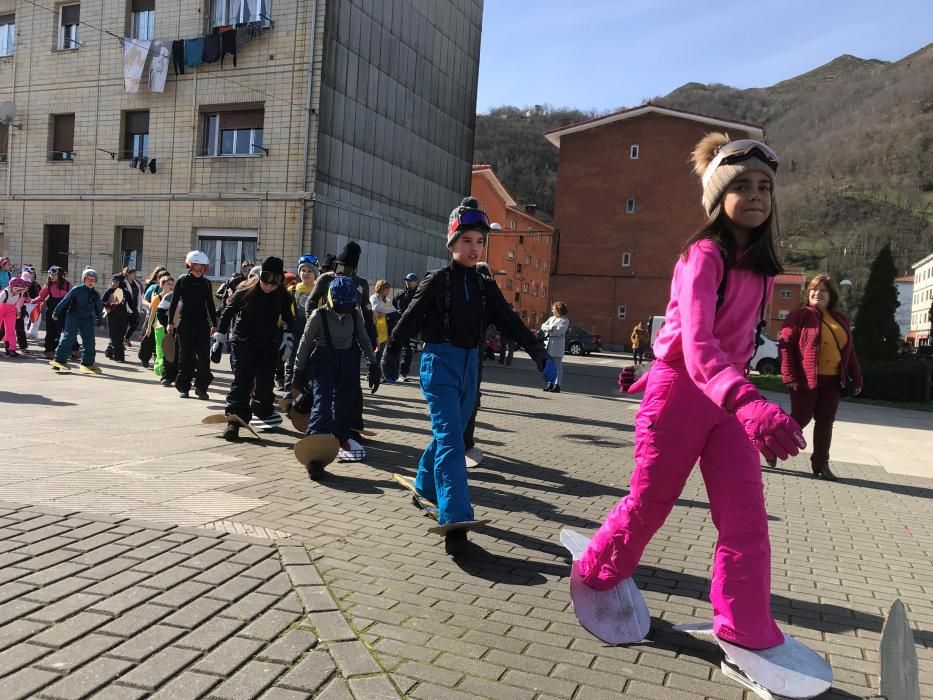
{"x": 57, "y": 293}
{"x": 714, "y": 347}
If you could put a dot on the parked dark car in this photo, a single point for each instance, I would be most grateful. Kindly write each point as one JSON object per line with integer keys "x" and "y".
{"x": 581, "y": 342}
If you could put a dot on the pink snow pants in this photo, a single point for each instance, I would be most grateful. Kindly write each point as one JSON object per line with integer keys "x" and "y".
{"x": 8, "y": 321}
{"x": 677, "y": 425}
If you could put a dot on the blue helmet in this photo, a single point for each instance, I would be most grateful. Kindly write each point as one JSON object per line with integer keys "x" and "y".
{"x": 342, "y": 295}
{"x": 411, "y": 277}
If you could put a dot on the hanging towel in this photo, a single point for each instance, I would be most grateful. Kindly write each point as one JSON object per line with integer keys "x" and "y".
{"x": 178, "y": 56}
{"x": 242, "y": 35}
{"x": 212, "y": 48}
{"x": 194, "y": 52}
{"x": 228, "y": 45}
{"x": 135, "y": 52}
{"x": 158, "y": 66}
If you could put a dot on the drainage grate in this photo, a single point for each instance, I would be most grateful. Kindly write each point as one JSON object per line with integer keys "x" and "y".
{"x": 597, "y": 441}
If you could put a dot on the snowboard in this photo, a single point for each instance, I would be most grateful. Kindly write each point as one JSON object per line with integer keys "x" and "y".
{"x": 220, "y": 418}
{"x": 431, "y": 509}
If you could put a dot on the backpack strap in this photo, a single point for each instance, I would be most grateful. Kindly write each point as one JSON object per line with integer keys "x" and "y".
{"x": 326, "y": 327}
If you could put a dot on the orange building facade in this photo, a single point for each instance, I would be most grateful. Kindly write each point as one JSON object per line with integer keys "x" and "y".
{"x": 519, "y": 256}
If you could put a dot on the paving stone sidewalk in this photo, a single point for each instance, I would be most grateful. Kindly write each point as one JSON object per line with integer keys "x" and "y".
{"x": 394, "y": 614}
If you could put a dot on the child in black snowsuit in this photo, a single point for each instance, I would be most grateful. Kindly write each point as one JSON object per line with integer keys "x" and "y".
{"x": 118, "y": 316}
{"x": 253, "y": 315}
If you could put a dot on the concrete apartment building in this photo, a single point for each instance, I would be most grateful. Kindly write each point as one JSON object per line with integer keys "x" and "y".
{"x": 341, "y": 119}
{"x": 519, "y": 255}
{"x": 921, "y": 310}
{"x": 627, "y": 200}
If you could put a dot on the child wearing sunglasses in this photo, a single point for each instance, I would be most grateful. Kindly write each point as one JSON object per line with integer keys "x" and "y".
{"x": 198, "y": 322}
{"x": 699, "y": 405}
{"x": 252, "y": 319}
{"x": 452, "y": 308}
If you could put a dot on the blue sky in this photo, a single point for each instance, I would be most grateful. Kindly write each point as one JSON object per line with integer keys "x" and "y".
{"x": 605, "y": 54}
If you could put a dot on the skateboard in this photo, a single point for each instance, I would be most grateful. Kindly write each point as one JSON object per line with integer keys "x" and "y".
{"x": 315, "y": 452}
{"x": 268, "y": 423}
{"x": 431, "y": 509}
{"x": 616, "y": 616}
{"x": 92, "y": 370}
{"x": 789, "y": 670}
{"x": 216, "y": 418}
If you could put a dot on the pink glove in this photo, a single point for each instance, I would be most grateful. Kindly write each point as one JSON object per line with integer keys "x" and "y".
{"x": 628, "y": 384}
{"x": 773, "y": 433}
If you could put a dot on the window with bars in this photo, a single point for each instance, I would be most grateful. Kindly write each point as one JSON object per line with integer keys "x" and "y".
{"x": 142, "y": 19}
{"x": 135, "y": 134}
{"x": 232, "y": 130}
{"x": 69, "y": 19}
{"x": 62, "y": 141}
{"x": 227, "y": 12}
{"x": 7, "y": 34}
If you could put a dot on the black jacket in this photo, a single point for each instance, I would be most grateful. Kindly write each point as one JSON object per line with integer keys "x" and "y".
{"x": 403, "y": 299}
{"x": 254, "y": 315}
{"x": 467, "y": 316}
{"x": 197, "y": 300}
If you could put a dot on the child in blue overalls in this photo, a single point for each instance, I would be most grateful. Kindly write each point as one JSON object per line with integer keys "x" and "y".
{"x": 84, "y": 308}
{"x": 451, "y": 308}
{"x": 328, "y": 351}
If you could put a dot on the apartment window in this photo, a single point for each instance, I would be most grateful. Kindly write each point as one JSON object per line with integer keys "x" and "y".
{"x": 142, "y": 19}
{"x": 534, "y": 290}
{"x": 62, "y": 146}
{"x": 537, "y": 263}
{"x": 521, "y": 240}
{"x": 543, "y": 291}
{"x": 620, "y": 313}
{"x": 524, "y": 286}
{"x": 545, "y": 265}
{"x": 508, "y": 284}
{"x": 785, "y": 294}
{"x": 518, "y": 268}
{"x": 514, "y": 224}
{"x": 131, "y": 248}
{"x": 226, "y": 249}
{"x": 524, "y": 314}
{"x": 224, "y": 12}
{"x": 528, "y": 260}
{"x": 232, "y": 130}
{"x": 633, "y": 152}
{"x": 7, "y": 35}
{"x": 626, "y": 259}
{"x": 629, "y": 206}
{"x": 511, "y": 255}
{"x": 69, "y": 16}
{"x": 782, "y": 315}
{"x": 135, "y": 135}
{"x": 4, "y": 145}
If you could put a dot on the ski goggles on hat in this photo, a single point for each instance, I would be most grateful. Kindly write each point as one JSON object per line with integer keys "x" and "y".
{"x": 308, "y": 260}
{"x": 737, "y": 151}
{"x": 54, "y": 270}
{"x": 466, "y": 217}
{"x": 271, "y": 277}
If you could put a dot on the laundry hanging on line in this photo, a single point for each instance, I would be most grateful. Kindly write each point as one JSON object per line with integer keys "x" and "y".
{"x": 135, "y": 52}
{"x": 158, "y": 66}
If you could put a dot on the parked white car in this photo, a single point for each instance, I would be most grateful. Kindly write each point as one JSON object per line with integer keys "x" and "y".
{"x": 767, "y": 359}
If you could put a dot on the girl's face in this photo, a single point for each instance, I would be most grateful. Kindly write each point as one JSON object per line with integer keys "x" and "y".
{"x": 385, "y": 292}
{"x": 267, "y": 288}
{"x": 819, "y": 297}
{"x": 5, "y": 267}
{"x": 197, "y": 270}
{"x": 114, "y": 284}
{"x": 747, "y": 202}
{"x": 467, "y": 250}
{"x": 307, "y": 275}
{"x": 168, "y": 285}
{"x": 131, "y": 277}
{"x": 89, "y": 281}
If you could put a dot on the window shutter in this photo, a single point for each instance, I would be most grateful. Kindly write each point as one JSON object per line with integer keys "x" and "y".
{"x": 137, "y": 122}
{"x": 245, "y": 119}
{"x": 71, "y": 14}
{"x": 143, "y": 5}
{"x": 63, "y": 137}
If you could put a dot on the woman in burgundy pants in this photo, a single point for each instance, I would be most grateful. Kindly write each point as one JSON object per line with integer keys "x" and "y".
{"x": 817, "y": 361}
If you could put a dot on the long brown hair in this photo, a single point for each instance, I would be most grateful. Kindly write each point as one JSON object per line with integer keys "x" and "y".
{"x": 760, "y": 256}
{"x": 156, "y": 274}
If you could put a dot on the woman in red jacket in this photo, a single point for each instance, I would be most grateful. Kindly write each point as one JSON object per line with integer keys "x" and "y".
{"x": 817, "y": 361}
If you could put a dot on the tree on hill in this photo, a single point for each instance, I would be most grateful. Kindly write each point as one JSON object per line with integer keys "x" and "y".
{"x": 876, "y": 331}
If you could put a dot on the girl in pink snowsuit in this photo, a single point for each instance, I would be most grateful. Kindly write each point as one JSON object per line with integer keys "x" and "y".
{"x": 698, "y": 405}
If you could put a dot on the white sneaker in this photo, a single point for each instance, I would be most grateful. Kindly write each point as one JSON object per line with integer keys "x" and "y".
{"x": 403, "y": 377}
{"x": 351, "y": 451}
{"x": 474, "y": 456}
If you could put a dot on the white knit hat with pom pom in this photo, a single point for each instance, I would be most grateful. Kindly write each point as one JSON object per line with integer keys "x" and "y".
{"x": 716, "y": 182}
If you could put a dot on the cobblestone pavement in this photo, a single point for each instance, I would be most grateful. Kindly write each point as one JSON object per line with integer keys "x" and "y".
{"x": 126, "y": 569}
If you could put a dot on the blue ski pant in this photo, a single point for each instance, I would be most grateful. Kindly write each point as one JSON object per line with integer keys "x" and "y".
{"x": 73, "y": 327}
{"x": 448, "y": 382}
{"x": 336, "y": 378}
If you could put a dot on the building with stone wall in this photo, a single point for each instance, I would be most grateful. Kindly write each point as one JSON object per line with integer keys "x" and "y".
{"x": 342, "y": 119}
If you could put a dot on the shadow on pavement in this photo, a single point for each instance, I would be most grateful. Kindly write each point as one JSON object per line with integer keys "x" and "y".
{"x": 39, "y": 399}
{"x": 844, "y": 481}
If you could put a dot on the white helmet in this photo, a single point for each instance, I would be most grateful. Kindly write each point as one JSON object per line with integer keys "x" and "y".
{"x": 196, "y": 257}
{"x": 89, "y": 272}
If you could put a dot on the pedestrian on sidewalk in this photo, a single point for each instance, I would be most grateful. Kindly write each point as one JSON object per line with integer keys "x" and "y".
{"x": 329, "y": 355}
{"x": 699, "y": 405}
{"x": 81, "y": 308}
{"x": 147, "y": 347}
{"x": 555, "y": 330}
{"x": 55, "y": 289}
{"x": 401, "y": 301}
{"x": 116, "y": 308}
{"x": 818, "y": 364}
{"x": 252, "y": 319}
{"x": 197, "y": 324}
{"x": 385, "y": 316}
{"x": 308, "y": 272}
{"x": 158, "y": 320}
{"x": 134, "y": 304}
{"x": 451, "y": 308}
{"x": 640, "y": 341}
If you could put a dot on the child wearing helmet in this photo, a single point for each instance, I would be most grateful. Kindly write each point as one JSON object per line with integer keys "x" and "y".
{"x": 83, "y": 307}
{"x": 452, "y": 307}
{"x": 328, "y": 354}
{"x": 11, "y": 301}
{"x": 197, "y": 324}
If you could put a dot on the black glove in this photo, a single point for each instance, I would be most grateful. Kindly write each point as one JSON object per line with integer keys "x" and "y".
{"x": 303, "y": 403}
{"x": 390, "y": 363}
{"x": 374, "y": 378}
{"x": 300, "y": 381}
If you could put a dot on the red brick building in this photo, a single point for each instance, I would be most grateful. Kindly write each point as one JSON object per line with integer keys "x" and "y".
{"x": 627, "y": 199}
{"x": 519, "y": 255}
{"x": 787, "y": 296}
